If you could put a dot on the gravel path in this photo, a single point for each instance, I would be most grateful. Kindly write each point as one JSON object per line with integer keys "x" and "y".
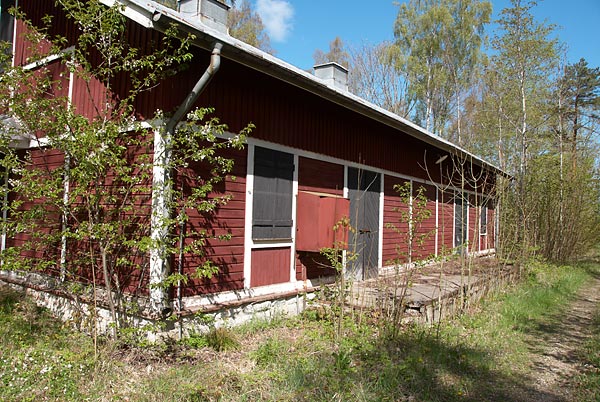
{"x": 556, "y": 360}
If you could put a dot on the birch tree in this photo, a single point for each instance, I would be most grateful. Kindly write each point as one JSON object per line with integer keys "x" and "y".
{"x": 463, "y": 53}
{"x": 524, "y": 62}
{"x": 246, "y": 25}
{"x": 440, "y": 43}
{"x": 337, "y": 53}
{"x": 374, "y": 77}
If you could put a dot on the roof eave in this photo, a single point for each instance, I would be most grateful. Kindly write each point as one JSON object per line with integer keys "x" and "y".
{"x": 155, "y": 16}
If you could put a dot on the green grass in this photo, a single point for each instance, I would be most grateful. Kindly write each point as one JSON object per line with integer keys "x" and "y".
{"x": 587, "y": 383}
{"x": 480, "y": 356}
{"x": 39, "y": 359}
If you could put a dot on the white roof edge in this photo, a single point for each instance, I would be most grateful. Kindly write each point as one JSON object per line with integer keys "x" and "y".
{"x": 133, "y": 10}
{"x": 142, "y": 12}
{"x": 330, "y": 63}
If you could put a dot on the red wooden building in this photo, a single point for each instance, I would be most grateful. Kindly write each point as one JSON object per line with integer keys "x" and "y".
{"x": 318, "y": 153}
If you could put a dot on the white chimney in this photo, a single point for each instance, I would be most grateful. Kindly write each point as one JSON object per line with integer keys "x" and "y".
{"x": 211, "y": 13}
{"x": 334, "y": 75}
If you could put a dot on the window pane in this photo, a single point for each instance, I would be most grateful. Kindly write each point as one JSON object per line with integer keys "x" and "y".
{"x": 461, "y": 212}
{"x": 483, "y": 228}
{"x": 6, "y": 21}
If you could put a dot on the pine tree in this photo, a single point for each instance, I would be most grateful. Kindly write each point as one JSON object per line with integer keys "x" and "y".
{"x": 580, "y": 90}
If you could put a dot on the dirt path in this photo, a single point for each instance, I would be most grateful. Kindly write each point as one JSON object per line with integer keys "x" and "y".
{"x": 556, "y": 346}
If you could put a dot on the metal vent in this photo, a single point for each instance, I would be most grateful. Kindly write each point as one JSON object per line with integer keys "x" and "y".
{"x": 212, "y": 13}
{"x": 333, "y": 74}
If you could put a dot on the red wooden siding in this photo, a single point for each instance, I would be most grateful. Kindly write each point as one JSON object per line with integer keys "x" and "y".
{"x": 39, "y": 250}
{"x": 284, "y": 114}
{"x": 319, "y": 176}
{"x": 228, "y": 219}
{"x": 270, "y": 266}
{"x": 24, "y": 51}
{"x": 131, "y": 278}
{"x": 474, "y": 231}
{"x": 290, "y": 116}
{"x": 445, "y": 222}
{"x": 53, "y": 74}
{"x": 395, "y": 239}
{"x": 90, "y": 97}
{"x": 59, "y": 75}
{"x": 135, "y": 224}
{"x": 35, "y": 11}
{"x": 424, "y": 243}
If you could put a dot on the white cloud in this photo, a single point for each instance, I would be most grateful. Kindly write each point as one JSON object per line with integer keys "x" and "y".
{"x": 277, "y": 17}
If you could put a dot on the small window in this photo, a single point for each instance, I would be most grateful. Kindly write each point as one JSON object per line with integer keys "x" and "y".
{"x": 272, "y": 202}
{"x": 483, "y": 220}
{"x": 6, "y": 21}
{"x": 461, "y": 214}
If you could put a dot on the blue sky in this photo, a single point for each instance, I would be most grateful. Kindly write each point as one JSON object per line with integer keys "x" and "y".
{"x": 298, "y": 27}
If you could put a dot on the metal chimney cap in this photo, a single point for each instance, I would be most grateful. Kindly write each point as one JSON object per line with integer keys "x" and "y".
{"x": 212, "y": 13}
{"x": 333, "y": 74}
{"x": 331, "y": 64}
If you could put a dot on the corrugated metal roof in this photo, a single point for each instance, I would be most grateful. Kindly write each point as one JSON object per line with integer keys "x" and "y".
{"x": 153, "y": 15}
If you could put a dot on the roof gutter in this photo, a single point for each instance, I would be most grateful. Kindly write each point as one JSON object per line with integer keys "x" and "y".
{"x": 162, "y": 190}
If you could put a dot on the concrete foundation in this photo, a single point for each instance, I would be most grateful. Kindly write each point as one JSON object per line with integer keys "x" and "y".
{"x": 90, "y": 314}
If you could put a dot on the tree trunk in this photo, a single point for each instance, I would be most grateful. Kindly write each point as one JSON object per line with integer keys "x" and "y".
{"x": 109, "y": 293}
{"x": 575, "y": 133}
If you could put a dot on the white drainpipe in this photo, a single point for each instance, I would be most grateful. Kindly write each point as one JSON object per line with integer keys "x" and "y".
{"x": 162, "y": 188}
